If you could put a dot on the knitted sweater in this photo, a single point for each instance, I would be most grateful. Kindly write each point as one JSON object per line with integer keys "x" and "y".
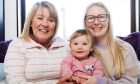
{"x": 31, "y": 63}
{"x": 131, "y": 74}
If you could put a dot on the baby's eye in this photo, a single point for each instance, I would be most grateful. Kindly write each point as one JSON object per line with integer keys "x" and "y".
{"x": 84, "y": 43}
{"x": 75, "y": 43}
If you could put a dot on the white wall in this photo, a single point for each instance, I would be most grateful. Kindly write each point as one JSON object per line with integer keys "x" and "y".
{"x": 71, "y": 15}
{"x": 10, "y": 19}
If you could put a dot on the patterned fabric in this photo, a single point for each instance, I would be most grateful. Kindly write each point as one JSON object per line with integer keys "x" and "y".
{"x": 73, "y": 66}
{"x": 31, "y": 63}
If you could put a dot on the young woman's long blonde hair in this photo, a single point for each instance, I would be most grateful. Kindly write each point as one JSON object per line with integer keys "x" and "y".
{"x": 114, "y": 48}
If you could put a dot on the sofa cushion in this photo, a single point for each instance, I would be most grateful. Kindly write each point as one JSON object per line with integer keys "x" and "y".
{"x": 134, "y": 40}
{"x": 3, "y": 49}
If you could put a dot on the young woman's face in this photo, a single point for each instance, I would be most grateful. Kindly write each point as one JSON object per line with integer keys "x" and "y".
{"x": 43, "y": 25}
{"x": 97, "y": 21}
{"x": 81, "y": 47}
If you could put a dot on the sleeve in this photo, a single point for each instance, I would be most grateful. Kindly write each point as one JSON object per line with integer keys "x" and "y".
{"x": 14, "y": 65}
{"x": 131, "y": 75}
{"x": 98, "y": 71}
{"x": 66, "y": 66}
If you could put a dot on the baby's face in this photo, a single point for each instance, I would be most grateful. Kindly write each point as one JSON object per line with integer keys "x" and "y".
{"x": 81, "y": 47}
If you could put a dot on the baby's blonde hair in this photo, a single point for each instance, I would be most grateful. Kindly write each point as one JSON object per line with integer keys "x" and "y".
{"x": 90, "y": 38}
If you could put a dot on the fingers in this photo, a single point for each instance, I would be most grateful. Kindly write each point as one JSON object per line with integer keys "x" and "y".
{"x": 64, "y": 79}
{"x": 86, "y": 81}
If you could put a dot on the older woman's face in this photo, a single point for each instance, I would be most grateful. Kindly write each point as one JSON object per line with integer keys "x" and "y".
{"x": 97, "y": 21}
{"x": 43, "y": 25}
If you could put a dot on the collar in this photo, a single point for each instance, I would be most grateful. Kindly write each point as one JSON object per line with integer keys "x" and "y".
{"x": 57, "y": 42}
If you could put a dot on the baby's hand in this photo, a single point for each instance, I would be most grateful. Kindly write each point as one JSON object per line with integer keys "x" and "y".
{"x": 71, "y": 81}
{"x": 78, "y": 79}
{"x": 63, "y": 79}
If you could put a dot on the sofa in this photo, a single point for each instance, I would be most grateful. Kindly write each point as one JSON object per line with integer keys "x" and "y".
{"x": 133, "y": 39}
{"x": 3, "y": 49}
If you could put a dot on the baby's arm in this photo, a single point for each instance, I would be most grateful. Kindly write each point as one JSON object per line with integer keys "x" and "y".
{"x": 66, "y": 66}
{"x": 66, "y": 70}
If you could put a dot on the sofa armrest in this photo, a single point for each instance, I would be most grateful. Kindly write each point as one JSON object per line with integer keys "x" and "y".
{"x": 2, "y": 75}
{"x": 134, "y": 40}
{"x": 3, "y": 49}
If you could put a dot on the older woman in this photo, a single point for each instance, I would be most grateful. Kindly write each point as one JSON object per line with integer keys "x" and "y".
{"x": 35, "y": 57}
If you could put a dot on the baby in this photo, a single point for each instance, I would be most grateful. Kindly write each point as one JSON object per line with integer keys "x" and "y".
{"x": 82, "y": 60}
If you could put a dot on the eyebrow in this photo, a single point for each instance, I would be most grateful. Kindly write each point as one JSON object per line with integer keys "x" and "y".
{"x": 98, "y": 14}
{"x": 39, "y": 15}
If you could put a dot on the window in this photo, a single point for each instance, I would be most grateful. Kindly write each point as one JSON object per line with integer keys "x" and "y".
{"x": 137, "y": 15}
{"x": 71, "y": 15}
{"x": 2, "y": 34}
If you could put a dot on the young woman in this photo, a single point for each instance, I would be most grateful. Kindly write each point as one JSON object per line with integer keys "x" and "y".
{"x": 118, "y": 57}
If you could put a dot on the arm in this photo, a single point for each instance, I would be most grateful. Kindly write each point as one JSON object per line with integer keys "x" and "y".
{"x": 66, "y": 72}
{"x": 14, "y": 64}
{"x": 130, "y": 77}
{"x": 66, "y": 66}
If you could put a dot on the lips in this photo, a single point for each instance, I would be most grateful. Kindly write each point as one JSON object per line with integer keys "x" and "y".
{"x": 43, "y": 30}
{"x": 96, "y": 29}
{"x": 79, "y": 51}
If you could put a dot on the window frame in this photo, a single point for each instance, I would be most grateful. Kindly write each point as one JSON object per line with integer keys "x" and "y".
{"x": 2, "y": 21}
{"x": 132, "y": 9}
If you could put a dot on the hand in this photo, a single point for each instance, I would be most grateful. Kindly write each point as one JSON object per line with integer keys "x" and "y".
{"x": 63, "y": 80}
{"x": 89, "y": 80}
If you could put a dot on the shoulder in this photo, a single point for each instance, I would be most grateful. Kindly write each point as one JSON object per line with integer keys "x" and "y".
{"x": 19, "y": 42}
{"x": 68, "y": 59}
{"x": 127, "y": 50}
{"x": 94, "y": 59}
{"x": 59, "y": 42}
{"x": 124, "y": 44}
{"x": 17, "y": 45}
